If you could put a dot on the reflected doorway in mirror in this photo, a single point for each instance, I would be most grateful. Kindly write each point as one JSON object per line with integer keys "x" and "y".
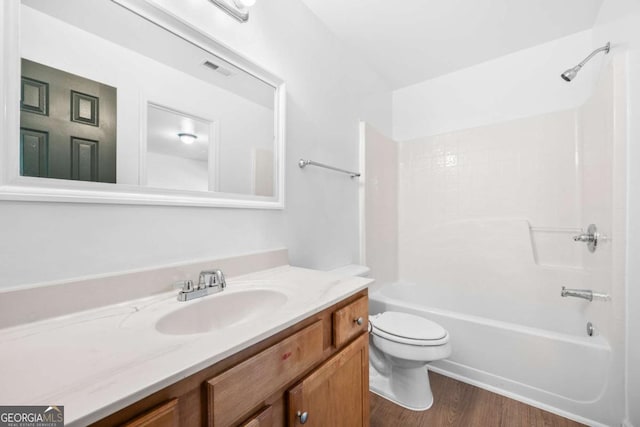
{"x": 180, "y": 152}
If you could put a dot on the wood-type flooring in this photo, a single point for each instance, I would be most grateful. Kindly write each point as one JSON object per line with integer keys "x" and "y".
{"x": 462, "y": 405}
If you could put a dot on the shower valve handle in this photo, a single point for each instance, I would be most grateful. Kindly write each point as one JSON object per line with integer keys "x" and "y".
{"x": 584, "y": 238}
{"x": 590, "y": 237}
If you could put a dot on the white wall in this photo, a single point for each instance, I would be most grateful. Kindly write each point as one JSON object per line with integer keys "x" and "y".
{"x": 521, "y": 84}
{"x": 166, "y": 171}
{"x": 328, "y": 92}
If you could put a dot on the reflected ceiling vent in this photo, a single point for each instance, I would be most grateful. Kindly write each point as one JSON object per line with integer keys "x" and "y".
{"x": 217, "y": 68}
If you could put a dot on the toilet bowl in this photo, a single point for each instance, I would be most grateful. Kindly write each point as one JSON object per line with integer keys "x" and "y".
{"x": 400, "y": 347}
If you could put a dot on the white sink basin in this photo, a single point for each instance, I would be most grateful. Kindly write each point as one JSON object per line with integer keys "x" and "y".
{"x": 219, "y": 311}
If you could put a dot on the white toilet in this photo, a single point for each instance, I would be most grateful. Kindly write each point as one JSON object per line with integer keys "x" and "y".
{"x": 400, "y": 347}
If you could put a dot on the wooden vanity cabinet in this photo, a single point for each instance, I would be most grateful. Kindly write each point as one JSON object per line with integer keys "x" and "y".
{"x": 318, "y": 367}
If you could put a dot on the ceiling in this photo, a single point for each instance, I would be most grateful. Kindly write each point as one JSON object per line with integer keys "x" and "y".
{"x": 410, "y": 41}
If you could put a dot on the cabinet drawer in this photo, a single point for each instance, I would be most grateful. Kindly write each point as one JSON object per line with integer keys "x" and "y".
{"x": 232, "y": 394}
{"x": 165, "y": 415}
{"x": 345, "y": 321}
{"x": 264, "y": 418}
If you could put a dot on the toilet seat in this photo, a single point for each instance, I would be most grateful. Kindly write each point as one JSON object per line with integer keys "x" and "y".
{"x": 408, "y": 329}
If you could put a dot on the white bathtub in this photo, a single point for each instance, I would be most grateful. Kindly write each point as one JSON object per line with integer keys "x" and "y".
{"x": 563, "y": 370}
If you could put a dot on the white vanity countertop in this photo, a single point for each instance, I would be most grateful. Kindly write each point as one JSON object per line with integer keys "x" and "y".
{"x": 99, "y": 361}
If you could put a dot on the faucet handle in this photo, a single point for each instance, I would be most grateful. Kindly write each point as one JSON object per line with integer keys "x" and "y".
{"x": 184, "y": 285}
{"x": 220, "y": 278}
{"x": 206, "y": 279}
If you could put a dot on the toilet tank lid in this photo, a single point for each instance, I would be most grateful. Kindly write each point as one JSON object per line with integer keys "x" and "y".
{"x": 352, "y": 270}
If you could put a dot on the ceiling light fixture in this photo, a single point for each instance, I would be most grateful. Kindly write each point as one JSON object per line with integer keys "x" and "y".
{"x": 187, "y": 138}
{"x": 238, "y": 9}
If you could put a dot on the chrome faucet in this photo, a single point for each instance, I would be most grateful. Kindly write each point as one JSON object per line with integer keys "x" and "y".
{"x": 587, "y": 294}
{"x": 210, "y": 282}
{"x": 212, "y": 278}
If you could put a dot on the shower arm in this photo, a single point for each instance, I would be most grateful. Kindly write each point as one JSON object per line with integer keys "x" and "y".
{"x": 604, "y": 48}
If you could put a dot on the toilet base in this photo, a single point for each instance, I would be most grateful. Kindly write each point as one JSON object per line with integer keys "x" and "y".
{"x": 408, "y": 388}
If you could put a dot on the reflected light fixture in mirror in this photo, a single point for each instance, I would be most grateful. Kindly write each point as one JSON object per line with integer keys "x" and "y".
{"x": 187, "y": 138}
{"x": 238, "y": 9}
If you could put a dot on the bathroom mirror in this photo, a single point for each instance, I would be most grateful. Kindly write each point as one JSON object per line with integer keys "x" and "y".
{"x": 122, "y": 102}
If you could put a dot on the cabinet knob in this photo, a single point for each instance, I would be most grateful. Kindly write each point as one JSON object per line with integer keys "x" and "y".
{"x": 303, "y": 416}
{"x": 359, "y": 321}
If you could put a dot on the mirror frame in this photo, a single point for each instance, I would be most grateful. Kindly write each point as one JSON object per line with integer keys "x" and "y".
{"x": 21, "y": 188}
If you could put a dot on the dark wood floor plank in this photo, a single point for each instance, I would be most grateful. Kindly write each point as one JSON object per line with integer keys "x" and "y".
{"x": 462, "y": 405}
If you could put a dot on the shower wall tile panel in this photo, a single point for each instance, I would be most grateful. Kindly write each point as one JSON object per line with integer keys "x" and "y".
{"x": 524, "y": 168}
{"x": 468, "y": 200}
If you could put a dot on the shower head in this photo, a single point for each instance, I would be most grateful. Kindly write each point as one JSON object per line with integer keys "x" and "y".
{"x": 571, "y": 73}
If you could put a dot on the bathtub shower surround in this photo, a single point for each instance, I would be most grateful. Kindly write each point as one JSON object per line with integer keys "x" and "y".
{"x": 487, "y": 218}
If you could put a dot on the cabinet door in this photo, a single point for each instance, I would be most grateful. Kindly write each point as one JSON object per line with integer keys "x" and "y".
{"x": 337, "y": 393}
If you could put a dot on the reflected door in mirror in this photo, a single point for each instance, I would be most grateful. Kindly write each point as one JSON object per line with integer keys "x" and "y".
{"x": 67, "y": 125}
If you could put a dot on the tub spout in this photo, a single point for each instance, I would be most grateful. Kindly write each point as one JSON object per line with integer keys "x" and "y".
{"x": 578, "y": 293}
{"x": 587, "y": 294}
